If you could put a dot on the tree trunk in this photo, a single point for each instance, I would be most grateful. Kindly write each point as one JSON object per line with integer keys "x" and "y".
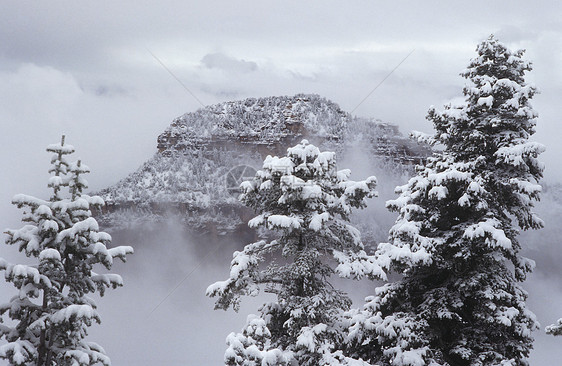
{"x": 42, "y": 348}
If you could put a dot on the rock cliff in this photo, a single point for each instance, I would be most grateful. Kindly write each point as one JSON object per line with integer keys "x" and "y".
{"x": 203, "y": 156}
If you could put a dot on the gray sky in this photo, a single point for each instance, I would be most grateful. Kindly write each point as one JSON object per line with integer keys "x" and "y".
{"x": 84, "y": 69}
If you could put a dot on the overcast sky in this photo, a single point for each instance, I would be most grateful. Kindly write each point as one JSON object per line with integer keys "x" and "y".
{"x": 87, "y": 69}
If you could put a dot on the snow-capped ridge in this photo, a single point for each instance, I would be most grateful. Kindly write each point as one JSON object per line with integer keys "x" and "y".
{"x": 203, "y": 156}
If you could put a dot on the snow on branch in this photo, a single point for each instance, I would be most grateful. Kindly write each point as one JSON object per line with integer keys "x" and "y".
{"x": 283, "y": 221}
{"x": 555, "y": 329}
{"x": 21, "y": 200}
{"x": 107, "y": 280}
{"x": 121, "y": 252}
{"x": 21, "y": 352}
{"x": 60, "y": 149}
{"x": 19, "y": 272}
{"x": 518, "y": 154}
{"x": 423, "y": 138}
{"x": 75, "y": 312}
{"x": 359, "y": 265}
{"x": 488, "y": 229}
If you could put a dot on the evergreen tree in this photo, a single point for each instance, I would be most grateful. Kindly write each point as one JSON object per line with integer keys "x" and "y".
{"x": 52, "y": 310}
{"x": 304, "y": 203}
{"x": 455, "y": 240}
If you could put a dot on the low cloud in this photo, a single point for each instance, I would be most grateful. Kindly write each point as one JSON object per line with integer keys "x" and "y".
{"x": 227, "y": 63}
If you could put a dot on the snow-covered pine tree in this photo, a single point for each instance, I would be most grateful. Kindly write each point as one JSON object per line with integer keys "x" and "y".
{"x": 51, "y": 312}
{"x": 304, "y": 206}
{"x": 455, "y": 240}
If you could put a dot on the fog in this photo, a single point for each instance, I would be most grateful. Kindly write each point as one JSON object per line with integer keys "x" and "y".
{"x": 161, "y": 316}
{"x": 152, "y": 320}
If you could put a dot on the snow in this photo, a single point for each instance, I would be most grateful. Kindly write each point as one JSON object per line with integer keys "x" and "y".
{"x": 343, "y": 175}
{"x": 94, "y": 200}
{"x": 304, "y": 152}
{"x": 108, "y": 279}
{"x": 414, "y": 255}
{"x": 516, "y": 154}
{"x": 291, "y": 181}
{"x": 455, "y": 113}
{"x": 82, "y": 168}
{"x": 486, "y": 88}
{"x": 253, "y": 344}
{"x": 120, "y": 251}
{"x": 324, "y": 159}
{"x": 75, "y": 311}
{"x": 63, "y": 149}
{"x": 359, "y": 265}
{"x": 247, "y": 186}
{"x": 26, "y": 200}
{"x": 283, "y": 165}
{"x": 423, "y": 138}
{"x": 241, "y": 263}
{"x": 256, "y": 221}
{"x": 355, "y": 235}
{"x": 89, "y": 224}
{"x": 22, "y": 351}
{"x": 26, "y": 236}
{"x": 311, "y": 191}
{"x": 513, "y": 102}
{"x": 50, "y": 225}
{"x": 55, "y": 181}
{"x": 475, "y": 187}
{"x": 79, "y": 357}
{"x": 464, "y": 200}
{"x": 526, "y": 186}
{"x": 50, "y": 254}
{"x": 410, "y": 228}
{"x": 23, "y": 271}
{"x": 555, "y": 329}
{"x": 452, "y": 174}
{"x": 79, "y": 204}
{"x": 414, "y": 357}
{"x": 284, "y": 221}
{"x": 100, "y": 236}
{"x": 506, "y": 315}
{"x": 526, "y": 112}
{"x": 308, "y": 337}
{"x": 494, "y": 237}
{"x": 266, "y": 185}
{"x": 317, "y": 221}
{"x": 438, "y": 192}
{"x": 273, "y": 357}
{"x": 352, "y": 187}
{"x": 44, "y": 210}
{"x": 100, "y": 248}
{"x": 338, "y": 359}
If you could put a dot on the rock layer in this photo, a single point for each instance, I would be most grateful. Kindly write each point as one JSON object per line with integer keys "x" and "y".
{"x": 187, "y": 177}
